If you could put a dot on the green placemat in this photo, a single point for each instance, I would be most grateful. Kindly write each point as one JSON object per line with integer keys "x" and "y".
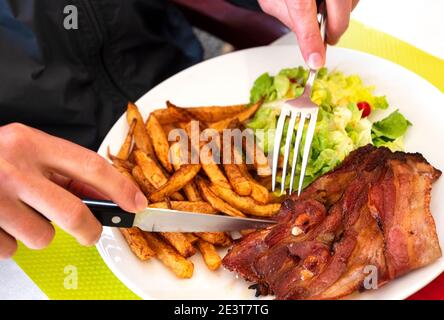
{"x": 52, "y": 269}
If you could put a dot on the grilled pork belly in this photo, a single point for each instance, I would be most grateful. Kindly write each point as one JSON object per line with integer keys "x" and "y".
{"x": 371, "y": 211}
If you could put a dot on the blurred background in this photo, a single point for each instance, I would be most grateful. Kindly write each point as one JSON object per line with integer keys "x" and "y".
{"x": 417, "y": 22}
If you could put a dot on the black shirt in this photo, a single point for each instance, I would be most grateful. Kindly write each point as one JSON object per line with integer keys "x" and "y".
{"x": 75, "y": 83}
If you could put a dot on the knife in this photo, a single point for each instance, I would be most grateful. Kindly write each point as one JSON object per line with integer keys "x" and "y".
{"x": 110, "y": 214}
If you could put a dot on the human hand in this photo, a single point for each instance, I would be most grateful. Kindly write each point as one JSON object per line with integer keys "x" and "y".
{"x": 39, "y": 177}
{"x": 300, "y": 17}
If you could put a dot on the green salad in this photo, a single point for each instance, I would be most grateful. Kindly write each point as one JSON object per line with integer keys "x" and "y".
{"x": 343, "y": 122}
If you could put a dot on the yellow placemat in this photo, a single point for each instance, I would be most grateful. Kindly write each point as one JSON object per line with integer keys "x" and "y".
{"x": 53, "y": 269}
{"x": 66, "y": 270}
{"x": 363, "y": 38}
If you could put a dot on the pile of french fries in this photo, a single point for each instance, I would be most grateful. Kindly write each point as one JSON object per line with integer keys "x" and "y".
{"x": 154, "y": 164}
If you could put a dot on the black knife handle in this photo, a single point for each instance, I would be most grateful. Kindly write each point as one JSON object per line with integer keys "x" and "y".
{"x": 110, "y": 214}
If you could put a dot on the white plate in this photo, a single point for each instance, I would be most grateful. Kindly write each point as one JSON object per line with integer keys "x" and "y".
{"x": 227, "y": 80}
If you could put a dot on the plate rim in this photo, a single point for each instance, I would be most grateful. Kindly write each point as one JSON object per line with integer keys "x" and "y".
{"x": 144, "y": 295}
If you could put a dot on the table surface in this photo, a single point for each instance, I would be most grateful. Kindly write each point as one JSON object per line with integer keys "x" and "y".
{"x": 415, "y": 22}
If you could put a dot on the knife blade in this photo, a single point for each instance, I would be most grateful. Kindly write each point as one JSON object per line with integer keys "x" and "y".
{"x": 166, "y": 220}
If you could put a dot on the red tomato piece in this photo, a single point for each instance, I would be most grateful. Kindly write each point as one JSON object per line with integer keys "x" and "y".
{"x": 364, "y": 106}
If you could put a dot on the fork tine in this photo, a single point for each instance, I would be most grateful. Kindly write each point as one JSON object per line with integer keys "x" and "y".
{"x": 277, "y": 144}
{"x": 297, "y": 144}
{"x": 290, "y": 131}
{"x": 307, "y": 146}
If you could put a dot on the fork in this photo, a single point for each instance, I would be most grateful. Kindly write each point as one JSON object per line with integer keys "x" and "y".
{"x": 304, "y": 109}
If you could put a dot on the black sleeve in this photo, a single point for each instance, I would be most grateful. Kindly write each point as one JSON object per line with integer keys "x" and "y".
{"x": 247, "y": 4}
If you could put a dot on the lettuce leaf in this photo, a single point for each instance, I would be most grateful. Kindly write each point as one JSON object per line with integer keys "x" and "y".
{"x": 340, "y": 126}
{"x": 389, "y": 131}
{"x": 262, "y": 88}
{"x": 392, "y": 127}
{"x": 335, "y": 89}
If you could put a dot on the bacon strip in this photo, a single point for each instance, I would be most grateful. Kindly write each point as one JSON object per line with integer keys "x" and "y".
{"x": 373, "y": 211}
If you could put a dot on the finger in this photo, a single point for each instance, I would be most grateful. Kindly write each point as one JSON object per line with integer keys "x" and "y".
{"x": 59, "y": 206}
{"x": 88, "y": 167}
{"x": 77, "y": 188}
{"x": 26, "y": 225}
{"x": 83, "y": 190}
{"x": 8, "y": 245}
{"x": 338, "y": 18}
{"x": 277, "y": 9}
{"x": 304, "y": 23}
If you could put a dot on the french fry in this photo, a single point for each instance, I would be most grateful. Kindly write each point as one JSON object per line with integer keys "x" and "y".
{"x": 159, "y": 141}
{"x": 175, "y": 156}
{"x": 241, "y": 117}
{"x": 177, "y": 181}
{"x": 180, "y": 266}
{"x": 177, "y": 196}
{"x": 144, "y": 185}
{"x": 124, "y": 167}
{"x": 209, "y": 254}
{"x": 180, "y": 242}
{"x": 215, "y": 113}
{"x": 247, "y": 232}
{"x": 119, "y": 162}
{"x": 141, "y": 138}
{"x": 216, "y": 238}
{"x": 126, "y": 173}
{"x": 191, "y": 192}
{"x": 256, "y": 155}
{"x": 258, "y": 191}
{"x": 191, "y": 237}
{"x": 187, "y": 127}
{"x": 215, "y": 175}
{"x": 212, "y": 169}
{"x": 150, "y": 169}
{"x": 153, "y": 173}
{"x": 131, "y": 158}
{"x": 188, "y": 206}
{"x": 209, "y": 166}
{"x": 125, "y": 149}
{"x": 168, "y": 202}
{"x": 148, "y": 158}
{"x": 237, "y": 180}
{"x": 137, "y": 243}
{"x": 128, "y": 166}
{"x": 215, "y": 201}
{"x": 246, "y": 204}
{"x": 168, "y": 127}
{"x": 205, "y": 114}
{"x": 172, "y": 114}
{"x": 165, "y": 116}
{"x": 182, "y": 114}
{"x": 189, "y": 189}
